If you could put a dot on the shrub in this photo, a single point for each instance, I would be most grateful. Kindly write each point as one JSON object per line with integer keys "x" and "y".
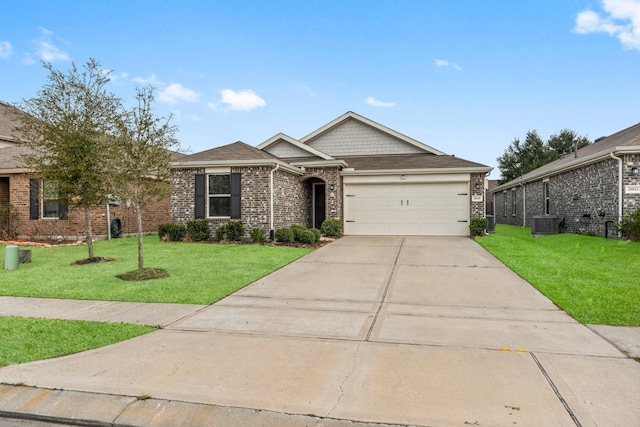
{"x": 307, "y": 236}
{"x": 221, "y": 231}
{"x": 478, "y": 226}
{"x": 284, "y": 235}
{"x": 258, "y": 235}
{"x": 198, "y": 230}
{"x": 331, "y": 227}
{"x": 316, "y": 233}
{"x": 297, "y": 230}
{"x": 235, "y": 230}
{"x": 172, "y": 232}
{"x": 629, "y": 226}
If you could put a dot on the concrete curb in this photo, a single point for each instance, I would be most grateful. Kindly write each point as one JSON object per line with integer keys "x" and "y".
{"x": 74, "y": 408}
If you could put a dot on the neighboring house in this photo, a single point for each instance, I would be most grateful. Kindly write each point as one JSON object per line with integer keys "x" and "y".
{"x": 29, "y": 207}
{"x": 375, "y": 180}
{"x": 587, "y": 190}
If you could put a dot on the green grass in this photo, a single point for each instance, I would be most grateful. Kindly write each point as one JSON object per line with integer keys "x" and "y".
{"x": 595, "y": 280}
{"x": 26, "y": 340}
{"x": 199, "y": 273}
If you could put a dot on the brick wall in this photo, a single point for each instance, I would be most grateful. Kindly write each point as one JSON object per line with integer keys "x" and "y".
{"x": 4, "y": 204}
{"x": 584, "y": 198}
{"x": 73, "y": 228}
{"x": 477, "y": 208}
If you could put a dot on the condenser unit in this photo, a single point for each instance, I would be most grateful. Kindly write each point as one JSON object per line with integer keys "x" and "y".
{"x": 545, "y": 224}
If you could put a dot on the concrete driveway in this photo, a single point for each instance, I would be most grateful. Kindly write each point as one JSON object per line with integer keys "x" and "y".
{"x": 425, "y": 331}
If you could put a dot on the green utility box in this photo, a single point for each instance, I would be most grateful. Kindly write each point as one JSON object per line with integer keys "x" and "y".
{"x": 11, "y": 257}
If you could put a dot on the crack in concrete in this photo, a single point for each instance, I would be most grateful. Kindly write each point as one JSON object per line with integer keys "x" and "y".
{"x": 346, "y": 378}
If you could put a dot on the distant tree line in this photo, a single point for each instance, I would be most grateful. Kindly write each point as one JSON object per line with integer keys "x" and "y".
{"x": 523, "y": 157}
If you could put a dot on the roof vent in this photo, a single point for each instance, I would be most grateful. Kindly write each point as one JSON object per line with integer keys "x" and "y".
{"x": 545, "y": 224}
{"x": 599, "y": 139}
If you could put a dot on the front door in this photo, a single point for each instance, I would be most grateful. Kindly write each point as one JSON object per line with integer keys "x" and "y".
{"x": 319, "y": 209}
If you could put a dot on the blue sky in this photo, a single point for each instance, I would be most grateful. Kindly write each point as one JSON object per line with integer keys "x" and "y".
{"x": 466, "y": 77}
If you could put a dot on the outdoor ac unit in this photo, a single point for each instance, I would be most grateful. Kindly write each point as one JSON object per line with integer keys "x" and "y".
{"x": 545, "y": 224}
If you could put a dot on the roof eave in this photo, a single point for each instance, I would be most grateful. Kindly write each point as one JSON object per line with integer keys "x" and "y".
{"x": 236, "y": 163}
{"x": 321, "y": 163}
{"x": 477, "y": 169}
{"x": 576, "y": 163}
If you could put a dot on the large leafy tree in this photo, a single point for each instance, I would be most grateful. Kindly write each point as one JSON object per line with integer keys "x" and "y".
{"x": 142, "y": 156}
{"x": 521, "y": 158}
{"x": 66, "y": 128}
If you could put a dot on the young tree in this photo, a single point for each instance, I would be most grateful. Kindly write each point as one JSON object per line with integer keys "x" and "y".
{"x": 142, "y": 157}
{"x": 66, "y": 127}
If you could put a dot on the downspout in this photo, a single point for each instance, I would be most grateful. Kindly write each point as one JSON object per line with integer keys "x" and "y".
{"x": 271, "y": 230}
{"x": 524, "y": 205}
{"x": 613, "y": 156}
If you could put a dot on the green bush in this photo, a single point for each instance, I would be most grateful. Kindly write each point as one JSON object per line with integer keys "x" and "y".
{"x": 297, "y": 230}
{"x": 307, "y": 236}
{"x": 478, "y": 226}
{"x": 221, "y": 232}
{"x": 258, "y": 235}
{"x": 235, "y": 230}
{"x": 316, "y": 233}
{"x": 198, "y": 230}
{"x": 331, "y": 227}
{"x": 284, "y": 235}
{"x": 629, "y": 226}
{"x": 172, "y": 232}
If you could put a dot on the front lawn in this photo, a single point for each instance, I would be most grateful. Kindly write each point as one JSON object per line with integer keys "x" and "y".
{"x": 595, "y": 280}
{"x": 26, "y": 340}
{"x": 200, "y": 273}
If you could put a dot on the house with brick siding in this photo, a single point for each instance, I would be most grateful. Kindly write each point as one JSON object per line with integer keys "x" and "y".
{"x": 375, "y": 180}
{"x": 587, "y": 190}
{"x": 29, "y": 207}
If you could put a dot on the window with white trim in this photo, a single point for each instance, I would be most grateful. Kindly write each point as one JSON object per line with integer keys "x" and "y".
{"x": 514, "y": 202}
{"x": 219, "y": 194}
{"x": 49, "y": 202}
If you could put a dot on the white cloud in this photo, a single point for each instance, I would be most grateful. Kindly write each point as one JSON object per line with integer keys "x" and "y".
{"x": 5, "y": 49}
{"x": 242, "y": 100}
{"x": 375, "y": 103}
{"x": 441, "y": 63}
{"x": 176, "y": 93}
{"x": 47, "y": 51}
{"x": 621, "y": 19}
{"x": 115, "y": 78}
{"x": 152, "y": 80}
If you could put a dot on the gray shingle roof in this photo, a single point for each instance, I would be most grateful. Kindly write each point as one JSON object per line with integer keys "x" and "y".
{"x": 236, "y": 151}
{"x": 408, "y": 161}
{"x": 629, "y": 137}
{"x": 7, "y": 121}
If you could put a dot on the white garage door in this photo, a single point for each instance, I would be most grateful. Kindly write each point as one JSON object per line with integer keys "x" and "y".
{"x": 433, "y": 209}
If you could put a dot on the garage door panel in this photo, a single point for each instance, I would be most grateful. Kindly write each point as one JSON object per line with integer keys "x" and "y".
{"x": 407, "y": 209}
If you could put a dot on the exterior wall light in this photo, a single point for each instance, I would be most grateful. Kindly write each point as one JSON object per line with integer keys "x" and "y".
{"x": 634, "y": 171}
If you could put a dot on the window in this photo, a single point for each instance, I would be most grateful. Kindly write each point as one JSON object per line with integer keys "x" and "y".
{"x": 504, "y": 202}
{"x": 44, "y": 201}
{"x": 50, "y": 204}
{"x": 546, "y": 199}
{"x": 514, "y": 202}
{"x": 219, "y": 195}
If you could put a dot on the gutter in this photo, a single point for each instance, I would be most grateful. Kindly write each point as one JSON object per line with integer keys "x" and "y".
{"x": 345, "y": 172}
{"x": 271, "y": 230}
{"x": 524, "y": 205}
{"x": 236, "y": 163}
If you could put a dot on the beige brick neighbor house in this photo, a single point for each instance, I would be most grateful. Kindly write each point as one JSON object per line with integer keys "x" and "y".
{"x": 29, "y": 209}
{"x": 373, "y": 179}
{"x": 584, "y": 192}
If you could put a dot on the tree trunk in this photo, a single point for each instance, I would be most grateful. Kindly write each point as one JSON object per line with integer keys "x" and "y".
{"x": 87, "y": 220}
{"x": 139, "y": 219}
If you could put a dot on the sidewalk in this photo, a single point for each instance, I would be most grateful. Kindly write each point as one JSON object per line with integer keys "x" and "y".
{"x": 375, "y": 331}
